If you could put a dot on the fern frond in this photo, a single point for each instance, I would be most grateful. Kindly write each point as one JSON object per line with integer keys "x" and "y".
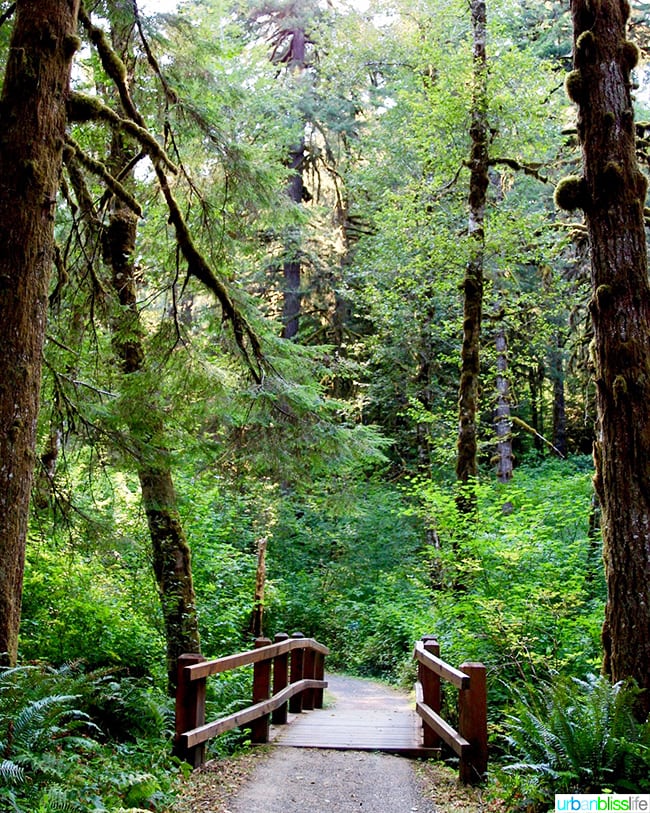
{"x": 11, "y": 773}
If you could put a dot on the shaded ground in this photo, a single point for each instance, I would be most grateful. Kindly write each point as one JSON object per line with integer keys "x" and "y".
{"x": 305, "y": 780}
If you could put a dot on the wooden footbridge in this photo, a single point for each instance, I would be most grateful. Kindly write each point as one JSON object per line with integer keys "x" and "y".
{"x": 288, "y": 686}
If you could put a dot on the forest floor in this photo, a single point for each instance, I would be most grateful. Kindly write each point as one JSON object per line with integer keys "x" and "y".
{"x": 296, "y": 780}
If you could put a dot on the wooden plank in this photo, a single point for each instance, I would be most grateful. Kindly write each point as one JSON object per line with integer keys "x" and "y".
{"x": 219, "y": 665}
{"x": 455, "y": 676}
{"x": 453, "y": 739}
{"x": 365, "y": 716}
{"x": 247, "y": 715}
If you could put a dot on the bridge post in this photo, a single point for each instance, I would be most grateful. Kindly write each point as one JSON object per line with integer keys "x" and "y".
{"x": 261, "y": 691}
{"x": 430, "y": 691}
{"x": 190, "y": 710}
{"x": 280, "y": 679}
{"x": 472, "y": 723}
{"x": 297, "y": 667}
{"x": 308, "y": 672}
{"x": 319, "y": 674}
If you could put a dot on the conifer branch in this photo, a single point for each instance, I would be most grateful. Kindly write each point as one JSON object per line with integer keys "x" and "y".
{"x": 99, "y": 169}
{"x": 198, "y": 267}
{"x": 534, "y": 432}
{"x": 7, "y": 14}
{"x": 82, "y": 108}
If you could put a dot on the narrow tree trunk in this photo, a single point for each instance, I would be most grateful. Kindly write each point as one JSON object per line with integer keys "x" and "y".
{"x": 170, "y": 551}
{"x": 32, "y": 111}
{"x": 536, "y": 385}
{"x": 612, "y": 194}
{"x": 502, "y": 412}
{"x": 292, "y": 291}
{"x": 559, "y": 401}
{"x": 257, "y": 620}
{"x": 467, "y": 464}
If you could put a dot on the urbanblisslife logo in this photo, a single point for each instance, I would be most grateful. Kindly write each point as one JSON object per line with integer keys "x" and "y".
{"x": 602, "y": 802}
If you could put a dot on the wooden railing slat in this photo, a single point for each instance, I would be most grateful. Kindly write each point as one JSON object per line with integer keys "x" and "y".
{"x": 453, "y": 739}
{"x": 214, "y": 667}
{"x": 449, "y": 673}
{"x": 247, "y": 715}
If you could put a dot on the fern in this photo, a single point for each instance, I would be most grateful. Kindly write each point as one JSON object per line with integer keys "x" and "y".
{"x": 579, "y": 735}
{"x": 53, "y": 757}
{"x": 11, "y": 773}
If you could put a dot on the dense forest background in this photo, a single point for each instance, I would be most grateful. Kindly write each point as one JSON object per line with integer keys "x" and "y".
{"x": 255, "y": 346}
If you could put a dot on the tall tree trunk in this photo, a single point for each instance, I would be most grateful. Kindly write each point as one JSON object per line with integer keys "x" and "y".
{"x": 559, "y": 401}
{"x": 171, "y": 555}
{"x": 536, "y": 386}
{"x": 292, "y": 292}
{"x": 467, "y": 465}
{"x": 502, "y": 412}
{"x": 33, "y": 116}
{"x": 612, "y": 194}
{"x": 170, "y": 552}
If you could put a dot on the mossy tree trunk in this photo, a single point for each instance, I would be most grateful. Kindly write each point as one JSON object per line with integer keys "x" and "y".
{"x": 467, "y": 459}
{"x": 612, "y": 194}
{"x": 170, "y": 552}
{"x": 171, "y": 555}
{"x": 502, "y": 419}
{"x": 33, "y": 115}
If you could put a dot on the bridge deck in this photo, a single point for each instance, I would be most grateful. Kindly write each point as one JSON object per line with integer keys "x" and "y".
{"x": 360, "y": 715}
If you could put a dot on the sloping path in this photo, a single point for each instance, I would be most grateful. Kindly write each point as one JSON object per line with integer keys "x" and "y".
{"x": 328, "y": 780}
{"x": 360, "y": 715}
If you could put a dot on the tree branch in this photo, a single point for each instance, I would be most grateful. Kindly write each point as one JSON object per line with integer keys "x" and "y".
{"x": 99, "y": 169}
{"x": 82, "y": 108}
{"x": 528, "y": 169}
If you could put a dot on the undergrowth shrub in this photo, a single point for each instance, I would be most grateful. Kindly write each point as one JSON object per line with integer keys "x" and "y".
{"x": 570, "y": 735}
{"x": 521, "y": 589}
{"x": 56, "y": 758}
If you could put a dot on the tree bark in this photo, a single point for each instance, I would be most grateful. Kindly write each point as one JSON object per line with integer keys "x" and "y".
{"x": 502, "y": 412}
{"x": 170, "y": 552}
{"x": 171, "y": 556}
{"x": 612, "y": 194}
{"x": 292, "y": 292}
{"x": 559, "y": 400}
{"x": 33, "y": 118}
{"x": 467, "y": 463}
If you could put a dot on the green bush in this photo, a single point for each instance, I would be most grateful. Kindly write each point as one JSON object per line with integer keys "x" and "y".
{"x": 532, "y": 593}
{"x": 56, "y": 758}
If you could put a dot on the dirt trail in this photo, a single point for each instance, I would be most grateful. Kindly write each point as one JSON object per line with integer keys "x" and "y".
{"x": 305, "y": 780}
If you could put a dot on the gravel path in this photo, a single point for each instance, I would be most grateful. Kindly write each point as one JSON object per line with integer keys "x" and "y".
{"x": 305, "y": 780}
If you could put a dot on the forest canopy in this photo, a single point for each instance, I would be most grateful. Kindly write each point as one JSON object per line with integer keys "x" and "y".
{"x": 330, "y": 317}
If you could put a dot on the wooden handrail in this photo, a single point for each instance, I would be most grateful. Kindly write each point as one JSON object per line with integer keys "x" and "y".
{"x": 453, "y": 739}
{"x": 192, "y": 732}
{"x": 247, "y": 715}
{"x": 264, "y": 653}
{"x": 444, "y": 670}
{"x": 470, "y": 741}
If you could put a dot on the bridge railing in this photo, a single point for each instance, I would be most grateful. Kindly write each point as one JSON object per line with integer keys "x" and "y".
{"x": 292, "y": 668}
{"x": 470, "y": 741}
